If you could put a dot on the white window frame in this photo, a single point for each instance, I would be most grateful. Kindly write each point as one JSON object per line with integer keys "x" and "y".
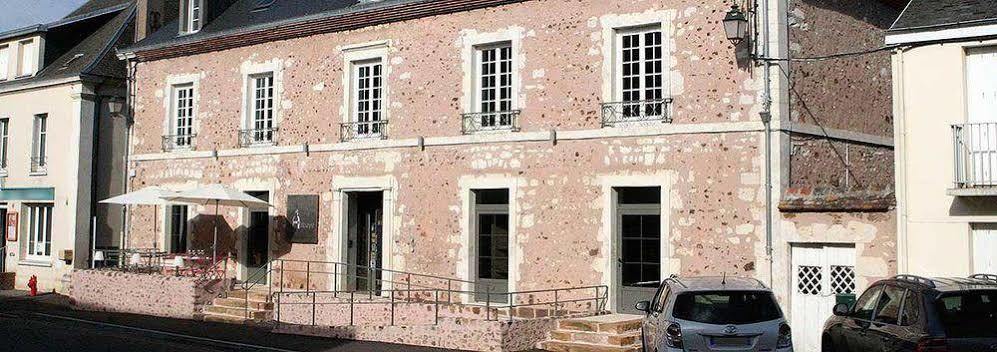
{"x": 26, "y": 60}
{"x": 642, "y": 91}
{"x": 4, "y": 62}
{"x": 183, "y": 133}
{"x": 194, "y": 21}
{"x": 472, "y": 45}
{"x": 4, "y": 142}
{"x": 356, "y": 57}
{"x": 503, "y": 118}
{"x": 467, "y": 265}
{"x": 371, "y": 83}
{"x": 39, "y": 144}
{"x": 261, "y": 120}
{"x": 32, "y": 223}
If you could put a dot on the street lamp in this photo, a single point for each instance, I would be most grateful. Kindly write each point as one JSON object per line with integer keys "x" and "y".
{"x": 736, "y": 25}
{"x": 115, "y": 106}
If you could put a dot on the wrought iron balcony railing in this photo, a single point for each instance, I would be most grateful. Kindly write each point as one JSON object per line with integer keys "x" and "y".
{"x": 351, "y": 131}
{"x": 490, "y": 121}
{"x": 39, "y": 165}
{"x": 258, "y": 137}
{"x": 975, "y": 146}
{"x": 656, "y": 110}
{"x": 178, "y": 142}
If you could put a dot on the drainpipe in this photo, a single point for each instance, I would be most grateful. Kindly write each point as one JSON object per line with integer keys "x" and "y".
{"x": 129, "y": 100}
{"x": 766, "y": 117}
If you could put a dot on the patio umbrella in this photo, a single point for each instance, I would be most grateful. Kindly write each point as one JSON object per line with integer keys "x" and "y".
{"x": 147, "y": 196}
{"x": 217, "y": 195}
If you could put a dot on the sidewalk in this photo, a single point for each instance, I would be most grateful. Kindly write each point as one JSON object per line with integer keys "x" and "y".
{"x": 53, "y": 309}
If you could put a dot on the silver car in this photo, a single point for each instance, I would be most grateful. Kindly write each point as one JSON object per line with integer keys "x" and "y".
{"x": 726, "y": 314}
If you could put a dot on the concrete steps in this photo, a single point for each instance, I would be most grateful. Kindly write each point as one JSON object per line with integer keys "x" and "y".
{"x": 232, "y": 309}
{"x": 602, "y": 333}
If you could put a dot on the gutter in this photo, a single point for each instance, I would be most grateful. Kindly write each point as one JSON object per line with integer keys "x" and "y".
{"x": 326, "y": 22}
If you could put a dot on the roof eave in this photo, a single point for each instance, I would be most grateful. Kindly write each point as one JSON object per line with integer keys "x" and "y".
{"x": 964, "y": 31}
{"x": 326, "y": 22}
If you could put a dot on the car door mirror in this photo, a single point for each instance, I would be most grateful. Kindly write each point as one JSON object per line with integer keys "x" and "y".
{"x": 842, "y": 309}
{"x": 643, "y": 306}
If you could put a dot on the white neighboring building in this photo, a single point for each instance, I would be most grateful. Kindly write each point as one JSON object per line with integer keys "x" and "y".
{"x": 945, "y": 100}
{"x": 60, "y": 148}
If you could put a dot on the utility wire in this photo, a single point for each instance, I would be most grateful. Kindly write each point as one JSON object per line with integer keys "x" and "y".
{"x": 829, "y": 57}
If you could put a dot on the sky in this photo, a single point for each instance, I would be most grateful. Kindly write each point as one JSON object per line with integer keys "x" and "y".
{"x": 20, "y": 13}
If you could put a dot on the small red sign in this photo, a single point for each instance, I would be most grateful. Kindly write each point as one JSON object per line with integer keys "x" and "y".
{"x": 12, "y": 227}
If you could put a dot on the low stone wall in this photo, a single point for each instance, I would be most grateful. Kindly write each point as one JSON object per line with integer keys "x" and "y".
{"x": 148, "y": 294}
{"x": 450, "y": 333}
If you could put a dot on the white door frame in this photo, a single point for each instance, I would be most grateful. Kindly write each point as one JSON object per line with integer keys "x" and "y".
{"x": 467, "y": 264}
{"x": 340, "y": 232}
{"x": 243, "y": 241}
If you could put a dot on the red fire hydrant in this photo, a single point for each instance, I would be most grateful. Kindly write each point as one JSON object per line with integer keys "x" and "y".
{"x": 33, "y": 285}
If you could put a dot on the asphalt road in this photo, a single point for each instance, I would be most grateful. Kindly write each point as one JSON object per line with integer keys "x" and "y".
{"x": 40, "y": 324}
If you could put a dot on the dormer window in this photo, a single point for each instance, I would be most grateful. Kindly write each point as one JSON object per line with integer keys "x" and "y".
{"x": 193, "y": 16}
{"x": 27, "y": 59}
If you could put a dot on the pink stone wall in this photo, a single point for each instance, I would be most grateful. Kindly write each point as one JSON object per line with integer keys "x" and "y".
{"x": 713, "y": 175}
{"x": 148, "y": 294}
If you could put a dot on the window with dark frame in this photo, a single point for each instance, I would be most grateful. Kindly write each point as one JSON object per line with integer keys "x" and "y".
{"x": 491, "y": 212}
{"x": 178, "y": 229}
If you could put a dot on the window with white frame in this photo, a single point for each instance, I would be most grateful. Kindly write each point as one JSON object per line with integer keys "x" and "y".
{"x": 640, "y": 75}
{"x": 182, "y": 123}
{"x": 4, "y": 131}
{"x": 39, "y": 231}
{"x": 26, "y": 62}
{"x": 368, "y": 98}
{"x": 39, "y": 155}
{"x": 493, "y": 85}
{"x": 4, "y": 61}
{"x": 261, "y": 126}
{"x": 194, "y": 15}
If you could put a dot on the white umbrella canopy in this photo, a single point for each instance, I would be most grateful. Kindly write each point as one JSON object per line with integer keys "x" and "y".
{"x": 153, "y": 195}
{"x": 217, "y": 195}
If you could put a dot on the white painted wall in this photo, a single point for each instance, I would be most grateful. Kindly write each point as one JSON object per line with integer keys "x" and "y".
{"x": 929, "y": 97}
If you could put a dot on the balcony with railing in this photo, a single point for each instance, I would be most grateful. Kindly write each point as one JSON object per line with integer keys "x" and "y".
{"x": 636, "y": 112}
{"x": 975, "y": 159}
{"x": 365, "y": 130}
{"x": 39, "y": 165}
{"x": 259, "y": 137}
{"x": 178, "y": 142}
{"x": 490, "y": 121}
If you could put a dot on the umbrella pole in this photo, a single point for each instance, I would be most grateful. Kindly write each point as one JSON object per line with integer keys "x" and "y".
{"x": 214, "y": 245}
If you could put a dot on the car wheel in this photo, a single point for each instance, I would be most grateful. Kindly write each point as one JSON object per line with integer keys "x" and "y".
{"x": 827, "y": 345}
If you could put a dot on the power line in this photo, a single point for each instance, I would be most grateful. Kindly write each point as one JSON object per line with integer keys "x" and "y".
{"x": 829, "y": 57}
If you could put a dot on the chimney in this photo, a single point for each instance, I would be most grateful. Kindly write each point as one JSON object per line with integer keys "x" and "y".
{"x": 153, "y": 15}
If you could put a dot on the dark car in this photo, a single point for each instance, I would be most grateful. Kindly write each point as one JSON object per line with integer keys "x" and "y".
{"x": 911, "y": 313}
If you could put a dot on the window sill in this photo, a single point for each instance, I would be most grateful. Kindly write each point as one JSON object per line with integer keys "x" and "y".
{"x": 36, "y": 263}
{"x": 38, "y": 173}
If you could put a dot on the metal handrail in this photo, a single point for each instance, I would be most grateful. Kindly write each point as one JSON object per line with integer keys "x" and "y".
{"x": 39, "y": 164}
{"x": 975, "y": 154}
{"x": 651, "y": 110}
{"x": 350, "y": 131}
{"x": 599, "y": 299}
{"x": 179, "y": 142}
{"x": 490, "y": 121}
{"x": 258, "y": 137}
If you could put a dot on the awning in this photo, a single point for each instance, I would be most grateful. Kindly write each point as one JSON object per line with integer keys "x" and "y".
{"x": 43, "y": 194}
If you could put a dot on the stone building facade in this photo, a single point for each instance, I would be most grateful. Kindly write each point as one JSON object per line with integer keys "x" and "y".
{"x": 593, "y": 192}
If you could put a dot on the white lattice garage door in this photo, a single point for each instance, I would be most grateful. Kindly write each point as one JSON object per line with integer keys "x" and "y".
{"x": 820, "y": 272}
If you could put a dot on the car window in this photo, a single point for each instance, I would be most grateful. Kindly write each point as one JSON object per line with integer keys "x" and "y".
{"x": 888, "y": 309}
{"x": 968, "y": 314}
{"x": 726, "y": 307}
{"x": 867, "y": 303}
{"x": 662, "y": 298}
{"x": 912, "y": 309}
